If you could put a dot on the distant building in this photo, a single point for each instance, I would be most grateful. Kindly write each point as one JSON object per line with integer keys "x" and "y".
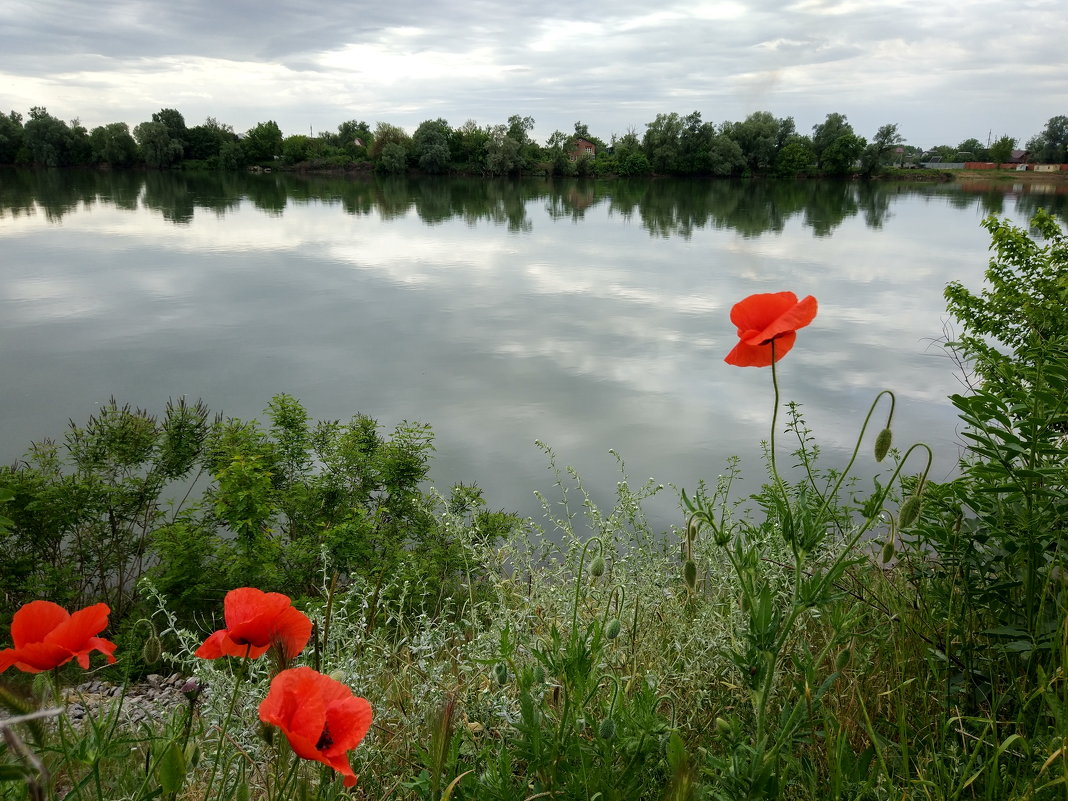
{"x": 583, "y": 148}
{"x": 1019, "y": 157}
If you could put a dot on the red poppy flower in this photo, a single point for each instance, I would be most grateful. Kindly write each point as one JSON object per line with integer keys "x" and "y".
{"x": 46, "y": 636}
{"x": 763, "y": 319}
{"x": 320, "y": 717}
{"x": 256, "y": 620}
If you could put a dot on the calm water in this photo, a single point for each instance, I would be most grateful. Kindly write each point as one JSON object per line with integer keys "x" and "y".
{"x": 591, "y": 316}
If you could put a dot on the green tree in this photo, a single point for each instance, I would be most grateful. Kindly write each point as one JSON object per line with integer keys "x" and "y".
{"x": 974, "y": 147}
{"x": 795, "y": 158}
{"x": 827, "y": 133}
{"x": 1001, "y": 149}
{"x": 174, "y": 122}
{"x": 11, "y": 137}
{"x": 393, "y": 159}
{"x": 397, "y": 159}
{"x": 430, "y": 145}
{"x": 661, "y": 142}
{"x": 880, "y": 147}
{"x": 263, "y": 142}
{"x": 468, "y": 145}
{"x": 157, "y": 147}
{"x": 205, "y": 142}
{"x": 50, "y": 141}
{"x": 1051, "y": 146}
{"x": 354, "y": 137}
{"x": 725, "y": 156}
{"x": 760, "y": 136}
{"x": 296, "y": 148}
{"x": 113, "y": 144}
{"x": 504, "y": 153}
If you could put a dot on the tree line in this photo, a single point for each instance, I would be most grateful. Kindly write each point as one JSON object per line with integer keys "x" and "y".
{"x": 672, "y": 144}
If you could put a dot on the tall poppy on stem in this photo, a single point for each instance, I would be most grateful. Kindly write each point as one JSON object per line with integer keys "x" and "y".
{"x": 764, "y": 319}
{"x": 256, "y": 620}
{"x": 46, "y": 636}
{"x": 320, "y": 717}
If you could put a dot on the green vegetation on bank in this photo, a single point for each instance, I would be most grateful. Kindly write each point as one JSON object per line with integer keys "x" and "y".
{"x": 672, "y": 144}
{"x": 865, "y": 633}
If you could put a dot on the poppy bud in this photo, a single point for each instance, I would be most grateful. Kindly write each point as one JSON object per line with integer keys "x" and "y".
{"x": 597, "y": 567}
{"x": 500, "y": 672}
{"x": 689, "y": 573}
{"x": 909, "y": 512}
{"x": 882, "y": 444}
{"x": 888, "y": 551}
{"x": 607, "y": 729}
{"x": 722, "y": 726}
{"x": 152, "y": 650}
{"x": 539, "y": 675}
{"x": 611, "y": 631}
{"x": 242, "y": 792}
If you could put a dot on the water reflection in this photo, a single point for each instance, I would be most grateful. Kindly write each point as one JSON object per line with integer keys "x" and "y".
{"x": 665, "y": 208}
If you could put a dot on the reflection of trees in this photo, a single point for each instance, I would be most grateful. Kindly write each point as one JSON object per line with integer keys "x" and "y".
{"x": 665, "y": 207}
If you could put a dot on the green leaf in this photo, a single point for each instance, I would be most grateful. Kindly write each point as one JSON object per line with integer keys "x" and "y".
{"x": 171, "y": 768}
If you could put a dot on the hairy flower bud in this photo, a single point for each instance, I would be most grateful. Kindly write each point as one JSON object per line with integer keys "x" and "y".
{"x": 909, "y": 512}
{"x": 882, "y": 444}
{"x": 500, "y": 672}
{"x": 689, "y": 573}
{"x": 152, "y": 650}
{"x": 888, "y": 551}
{"x": 597, "y": 567}
{"x": 612, "y": 629}
{"x": 607, "y": 729}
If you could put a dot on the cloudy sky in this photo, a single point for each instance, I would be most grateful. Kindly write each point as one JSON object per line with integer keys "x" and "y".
{"x": 944, "y": 71}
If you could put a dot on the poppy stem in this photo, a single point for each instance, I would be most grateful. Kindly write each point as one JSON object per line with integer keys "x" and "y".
{"x": 226, "y": 723}
{"x": 774, "y": 414}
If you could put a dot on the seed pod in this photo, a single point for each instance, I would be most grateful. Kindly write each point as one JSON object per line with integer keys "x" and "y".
{"x": 607, "y": 729}
{"x": 909, "y": 512}
{"x": 500, "y": 672}
{"x": 597, "y": 567}
{"x": 689, "y": 573}
{"x": 612, "y": 629}
{"x": 888, "y": 551}
{"x": 882, "y": 444}
{"x": 152, "y": 650}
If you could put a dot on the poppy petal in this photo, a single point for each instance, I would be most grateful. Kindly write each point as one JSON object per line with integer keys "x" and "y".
{"x": 292, "y": 629}
{"x": 75, "y": 631}
{"x": 247, "y": 604}
{"x": 798, "y": 316}
{"x": 219, "y": 644}
{"x": 35, "y": 621}
{"x": 746, "y": 355}
{"x": 757, "y": 312}
{"x": 106, "y": 647}
{"x": 351, "y": 719}
{"x": 36, "y": 657}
